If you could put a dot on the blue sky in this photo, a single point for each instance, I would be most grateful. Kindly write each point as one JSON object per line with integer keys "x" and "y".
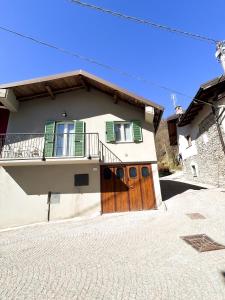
{"x": 168, "y": 59}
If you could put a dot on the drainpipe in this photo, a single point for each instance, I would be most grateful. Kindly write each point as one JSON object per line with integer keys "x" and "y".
{"x": 218, "y": 128}
{"x": 49, "y": 205}
{"x": 220, "y": 56}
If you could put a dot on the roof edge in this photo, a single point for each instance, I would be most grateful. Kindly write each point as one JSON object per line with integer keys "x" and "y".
{"x": 85, "y": 74}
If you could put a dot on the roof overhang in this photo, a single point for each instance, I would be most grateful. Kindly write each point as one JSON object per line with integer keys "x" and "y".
{"x": 51, "y": 86}
{"x": 208, "y": 92}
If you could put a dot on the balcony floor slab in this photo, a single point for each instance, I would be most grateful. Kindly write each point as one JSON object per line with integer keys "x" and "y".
{"x": 47, "y": 161}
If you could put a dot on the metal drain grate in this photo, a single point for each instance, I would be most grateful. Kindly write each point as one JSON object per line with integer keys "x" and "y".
{"x": 195, "y": 216}
{"x": 202, "y": 243}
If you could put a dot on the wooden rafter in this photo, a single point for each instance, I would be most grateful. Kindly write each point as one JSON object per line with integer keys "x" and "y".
{"x": 115, "y": 97}
{"x": 50, "y": 92}
{"x": 45, "y": 94}
{"x": 83, "y": 82}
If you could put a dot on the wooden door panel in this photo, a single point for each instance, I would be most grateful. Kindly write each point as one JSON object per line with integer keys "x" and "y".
{"x": 121, "y": 189}
{"x": 134, "y": 188}
{"x": 125, "y": 188}
{"x": 107, "y": 190}
{"x": 147, "y": 187}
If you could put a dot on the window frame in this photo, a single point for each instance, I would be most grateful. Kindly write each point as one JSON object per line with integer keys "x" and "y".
{"x": 65, "y": 140}
{"x": 109, "y": 172}
{"x": 189, "y": 140}
{"x": 122, "y": 123}
{"x": 194, "y": 170}
{"x": 136, "y": 172}
{"x": 145, "y": 168}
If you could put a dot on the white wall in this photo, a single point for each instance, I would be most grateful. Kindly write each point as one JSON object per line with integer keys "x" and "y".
{"x": 192, "y": 130}
{"x": 24, "y": 192}
{"x": 24, "y": 189}
{"x": 95, "y": 108}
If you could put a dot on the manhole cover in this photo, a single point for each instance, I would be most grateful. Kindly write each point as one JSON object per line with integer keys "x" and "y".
{"x": 202, "y": 242}
{"x": 195, "y": 216}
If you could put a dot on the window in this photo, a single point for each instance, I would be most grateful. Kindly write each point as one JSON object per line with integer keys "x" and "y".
{"x": 119, "y": 173}
{"x": 133, "y": 172}
{"x": 194, "y": 171}
{"x": 145, "y": 172}
{"x": 123, "y": 132}
{"x": 107, "y": 173}
{"x": 205, "y": 138}
{"x": 188, "y": 138}
{"x": 64, "y": 139}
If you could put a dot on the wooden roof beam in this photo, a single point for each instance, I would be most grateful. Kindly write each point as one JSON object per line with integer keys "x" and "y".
{"x": 45, "y": 94}
{"x": 116, "y": 97}
{"x": 83, "y": 82}
{"x": 50, "y": 92}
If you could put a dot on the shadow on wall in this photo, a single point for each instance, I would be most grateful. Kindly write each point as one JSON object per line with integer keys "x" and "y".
{"x": 80, "y": 105}
{"x": 170, "y": 188}
{"x": 39, "y": 180}
{"x": 223, "y": 275}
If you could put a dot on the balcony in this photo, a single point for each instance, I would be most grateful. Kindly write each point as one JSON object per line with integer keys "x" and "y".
{"x": 40, "y": 148}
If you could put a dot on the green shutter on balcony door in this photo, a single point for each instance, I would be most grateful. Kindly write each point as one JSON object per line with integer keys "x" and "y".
{"x": 79, "y": 140}
{"x": 49, "y": 138}
{"x": 137, "y": 131}
{"x": 110, "y": 132}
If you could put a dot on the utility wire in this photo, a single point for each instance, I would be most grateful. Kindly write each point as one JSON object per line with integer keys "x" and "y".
{"x": 144, "y": 21}
{"x": 93, "y": 61}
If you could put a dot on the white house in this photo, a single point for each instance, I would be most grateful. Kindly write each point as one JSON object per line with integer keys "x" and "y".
{"x": 200, "y": 134}
{"x": 76, "y": 145}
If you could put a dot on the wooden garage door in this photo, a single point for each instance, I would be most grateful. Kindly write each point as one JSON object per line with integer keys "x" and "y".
{"x": 127, "y": 188}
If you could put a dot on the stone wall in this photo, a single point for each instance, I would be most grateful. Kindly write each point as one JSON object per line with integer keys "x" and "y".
{"x": 210, "y": 160}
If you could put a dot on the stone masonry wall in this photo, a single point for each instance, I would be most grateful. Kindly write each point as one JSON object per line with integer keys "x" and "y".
{"x": 210, "y": 160}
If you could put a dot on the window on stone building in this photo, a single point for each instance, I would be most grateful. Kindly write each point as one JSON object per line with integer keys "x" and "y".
{"x": 205, "y": 138}
{"x": 188, "y": 138}
{"x": 194, "y": 171}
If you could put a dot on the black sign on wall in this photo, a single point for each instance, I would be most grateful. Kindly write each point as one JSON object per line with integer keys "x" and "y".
{"x": 81, "y": 179}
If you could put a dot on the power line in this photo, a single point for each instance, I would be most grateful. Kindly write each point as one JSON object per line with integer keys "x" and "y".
{"x": 93, "y": 61}
{"x": 146, "y": 22}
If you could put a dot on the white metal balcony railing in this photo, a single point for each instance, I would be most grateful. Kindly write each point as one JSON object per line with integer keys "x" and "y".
{"x": 23, "y": 146}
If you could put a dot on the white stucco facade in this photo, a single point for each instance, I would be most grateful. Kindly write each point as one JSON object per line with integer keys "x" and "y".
{"x": 24, "y": 193}
{"x": 24, "y": 185}
{"x": 192, "y": 130}
{"x": 94, "y": 108}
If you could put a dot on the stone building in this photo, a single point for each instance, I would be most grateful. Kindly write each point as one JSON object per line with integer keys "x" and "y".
{"x": 200, "y": 134}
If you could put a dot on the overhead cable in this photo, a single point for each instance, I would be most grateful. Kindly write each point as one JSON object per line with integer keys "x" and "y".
{"x": 145, "y": 22}
{"x": 93, "y": 61}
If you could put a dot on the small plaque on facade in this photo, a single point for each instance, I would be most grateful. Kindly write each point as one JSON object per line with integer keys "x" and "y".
{"x": 55, "y": 198}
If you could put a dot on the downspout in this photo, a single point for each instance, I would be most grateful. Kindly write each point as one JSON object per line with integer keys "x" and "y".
{"x": 218, "y": 128}
{"x": 49, "y": 205}
{"x": 220, "y": 55}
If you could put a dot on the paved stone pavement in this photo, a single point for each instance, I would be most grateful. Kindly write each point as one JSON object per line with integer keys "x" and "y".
{"x": 129, "y": 256}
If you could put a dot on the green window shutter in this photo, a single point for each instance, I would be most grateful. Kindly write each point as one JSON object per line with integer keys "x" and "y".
{"x": 110, "y": 132}
{"x": 79, "y": 140}
{"x": 137, "y": 131}
{"x": 49, "y": 138}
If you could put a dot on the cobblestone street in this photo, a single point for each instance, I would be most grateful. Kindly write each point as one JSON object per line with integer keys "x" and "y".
{"x": 128, "y": 256}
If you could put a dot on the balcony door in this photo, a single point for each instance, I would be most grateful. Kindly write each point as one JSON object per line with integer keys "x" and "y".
{"x": 64, "y": 139}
